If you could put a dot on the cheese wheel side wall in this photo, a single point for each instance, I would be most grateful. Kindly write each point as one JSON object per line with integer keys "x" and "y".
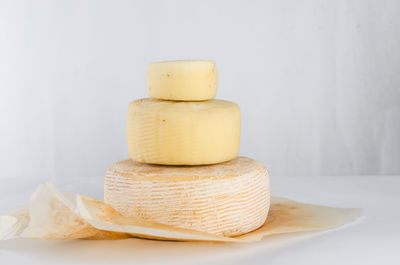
{"x": 182, "y": 80}
{"x": 183, "y": 133}
{"x": 228, "y": 206}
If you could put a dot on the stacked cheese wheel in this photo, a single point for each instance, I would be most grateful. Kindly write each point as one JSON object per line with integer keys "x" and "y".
{"x": 184, "y": 168}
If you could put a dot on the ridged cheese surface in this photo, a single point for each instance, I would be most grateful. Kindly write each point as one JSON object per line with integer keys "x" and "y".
{"x": 189, "y": 80}
{"x": 183, "y": 133}
{"x": 230, "y": 198}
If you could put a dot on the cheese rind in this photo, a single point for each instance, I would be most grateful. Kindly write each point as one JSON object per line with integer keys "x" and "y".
{"x": 183, "y": 133}
{"x": 230, "y": 199}
{"x": 187, "y": 80}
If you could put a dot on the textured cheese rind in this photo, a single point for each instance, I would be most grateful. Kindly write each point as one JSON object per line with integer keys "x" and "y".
{"x": 228, "y": 199}
{"x": 183, "y": 133}
{"x": 189, "y": 80}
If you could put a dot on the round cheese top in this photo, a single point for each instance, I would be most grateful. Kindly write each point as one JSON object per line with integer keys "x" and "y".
{"x": 230, "y": 169}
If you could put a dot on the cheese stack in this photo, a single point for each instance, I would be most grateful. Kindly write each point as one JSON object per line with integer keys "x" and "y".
{"x": 183, "y": 144}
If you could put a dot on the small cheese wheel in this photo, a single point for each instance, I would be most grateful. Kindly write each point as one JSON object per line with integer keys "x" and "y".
{"x": 182, "y": 80}
{"x": 230, "y": 199}
{"x": 183, "y": 133}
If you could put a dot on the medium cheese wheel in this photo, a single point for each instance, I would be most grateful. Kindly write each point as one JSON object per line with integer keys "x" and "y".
{"x": 183, "y": 133}
{"x": 230, "y": 199}
{"x": 189, "y": 80}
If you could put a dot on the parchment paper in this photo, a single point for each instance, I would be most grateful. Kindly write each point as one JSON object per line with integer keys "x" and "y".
{"x": 52, "y": 214}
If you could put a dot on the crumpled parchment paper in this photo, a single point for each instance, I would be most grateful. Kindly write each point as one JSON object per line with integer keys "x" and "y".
{"x": 52, "y": 214}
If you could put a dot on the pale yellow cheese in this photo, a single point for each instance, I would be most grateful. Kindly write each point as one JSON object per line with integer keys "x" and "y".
{"x": 182, "y": 80}
{"x": 183, "y": 133}
{"x": 231, "y": 198}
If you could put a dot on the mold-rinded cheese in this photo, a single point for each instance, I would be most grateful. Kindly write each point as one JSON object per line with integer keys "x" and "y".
{"x": 230, "y": 199}
{"x": 183, "y": 133}
{"x": 189, "y": 80}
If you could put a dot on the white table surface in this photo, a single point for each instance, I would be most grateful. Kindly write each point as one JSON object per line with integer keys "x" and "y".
{"x": 373, "y": 239}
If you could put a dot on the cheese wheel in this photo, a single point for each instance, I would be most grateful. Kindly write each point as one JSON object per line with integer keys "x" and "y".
{"x": 182, "y": 80}
{"x": 230, "y": 199}
{"x": 183, "y": 133}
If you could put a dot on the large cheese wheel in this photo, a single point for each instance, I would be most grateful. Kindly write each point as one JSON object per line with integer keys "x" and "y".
{"x": 230, "y": 198}
{"x": 182, "y": 80}
{"x": 183, "y": 133}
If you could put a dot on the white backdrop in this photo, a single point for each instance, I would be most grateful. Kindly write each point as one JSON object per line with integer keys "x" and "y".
{"x": 318, "y": 82}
